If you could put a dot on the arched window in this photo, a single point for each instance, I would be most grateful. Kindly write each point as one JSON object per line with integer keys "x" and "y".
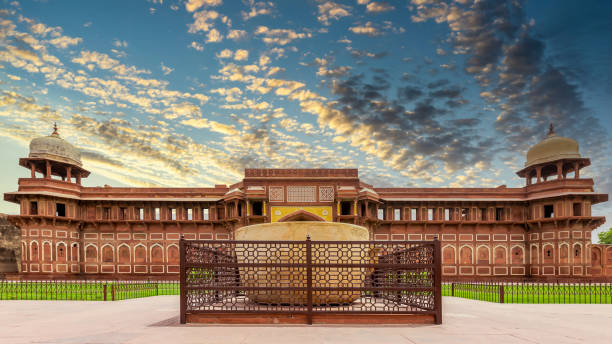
{"x": 577, "y": 254}
{"x": 466, "y": 255}
{"x": 91, "y": 253}
{"x": 563, "y": 254}
{"x": 74, "y": 252}
{"x": 448, "y": 255}
{"x": 34, "y": 251}
{"x": 500, "y": 255}
{"x": 140, "y": 254}
{"x": 124, "y": 254}
{"x": 47, "y": 254}
{"x": 548, "y": 256}
{"x": 483, "y": 255}
{"x": 107, "y": 254}
{"x": 61, "y": 252}
{"x": 517, "y": 255}
{"x": 157, "y": 254}
{"x": 595, "y": 257}
{"x": 173, "y": 255}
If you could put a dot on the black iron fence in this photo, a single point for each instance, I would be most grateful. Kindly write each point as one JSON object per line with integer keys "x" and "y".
{"x": 85, "y": 290}
{"x": 532, "y": 291}
{"x": 296, "y": 281}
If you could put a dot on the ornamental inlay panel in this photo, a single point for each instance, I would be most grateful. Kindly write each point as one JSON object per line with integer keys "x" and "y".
{"x": 326, "y": 193}
{"x": 276, "y": 194}
{"x": 301, "y": 194}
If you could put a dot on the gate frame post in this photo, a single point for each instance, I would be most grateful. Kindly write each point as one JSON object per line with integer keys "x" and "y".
{"x": 309, "y": 279}
{"x": 437, "y": 281}
{"x": 183, "y": 281}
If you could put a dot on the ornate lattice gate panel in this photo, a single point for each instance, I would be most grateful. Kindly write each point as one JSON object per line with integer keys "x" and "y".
{"x": 310, "y": 281}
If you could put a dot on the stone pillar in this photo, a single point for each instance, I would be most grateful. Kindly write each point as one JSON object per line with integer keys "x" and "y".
{"x": 48, "y": 170}
{"x": 69, "y": 174}
{"x": 355, "y": 207}
{"x": 559, "y": 170}
{"x": 367, "y": 209}
{"x": 265, "y": 210}
{"x": 32, "y": 171}
{"x": 78, "y": 178}
{"x": 528, "y": 179}
{"x": 576, "y": 171}
{"x": 539, "y": 173}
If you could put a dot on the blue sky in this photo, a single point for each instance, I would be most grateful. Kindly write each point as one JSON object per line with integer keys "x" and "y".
{"x": 413, "y": 93}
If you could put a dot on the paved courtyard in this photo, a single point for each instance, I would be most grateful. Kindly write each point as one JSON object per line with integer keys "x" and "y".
{"x": 155, "y": 320}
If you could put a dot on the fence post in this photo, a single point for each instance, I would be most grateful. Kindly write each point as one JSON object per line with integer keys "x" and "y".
{"x": 309, "y": 279}
{"x": 112, "y": 292}
{"x": 156, "y": 289}
{"x": 104, "y": 292}
{"x": 183, "y": 280}
{"x": 453, "y": 289}
{"x": 437, "y": 260}
{"x": 501, "y": 293}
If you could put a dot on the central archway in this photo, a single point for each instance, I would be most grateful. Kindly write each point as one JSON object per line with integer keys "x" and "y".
{"x": 301, "y": 215}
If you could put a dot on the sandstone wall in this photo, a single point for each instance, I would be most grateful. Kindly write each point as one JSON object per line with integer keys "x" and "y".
{"x": 10, "y": 248}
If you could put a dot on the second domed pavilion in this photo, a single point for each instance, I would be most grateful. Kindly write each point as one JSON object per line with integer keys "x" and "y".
{"x": 553, "y": 156}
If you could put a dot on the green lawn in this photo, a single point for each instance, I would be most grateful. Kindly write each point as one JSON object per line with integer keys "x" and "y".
{"x": 534, "y": 293}
{"x": 83, "y": 291}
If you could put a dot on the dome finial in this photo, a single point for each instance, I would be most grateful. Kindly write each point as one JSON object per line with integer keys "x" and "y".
{"x": 551, "y": 129}
{"x": 55, "y": 133}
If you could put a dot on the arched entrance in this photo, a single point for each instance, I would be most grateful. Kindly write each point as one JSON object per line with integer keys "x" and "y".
{"x": 301, "y": 215}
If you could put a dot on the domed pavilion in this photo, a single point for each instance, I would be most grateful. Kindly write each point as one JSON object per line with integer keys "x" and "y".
{"x": 53, "y": 156}
{"x": 553, "y": 156}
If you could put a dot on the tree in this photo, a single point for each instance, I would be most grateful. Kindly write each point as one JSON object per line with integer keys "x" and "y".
{"x": 605, "y": 237}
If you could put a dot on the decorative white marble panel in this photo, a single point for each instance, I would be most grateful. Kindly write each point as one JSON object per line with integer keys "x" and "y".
{"x": 301, "y": 194}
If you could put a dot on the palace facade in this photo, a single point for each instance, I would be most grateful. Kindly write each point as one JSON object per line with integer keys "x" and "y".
{"x": 541, "y": 229}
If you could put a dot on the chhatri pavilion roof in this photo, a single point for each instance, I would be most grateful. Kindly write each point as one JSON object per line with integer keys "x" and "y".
{"x": 53, "y": 147}
{"x": 552, "y": 148}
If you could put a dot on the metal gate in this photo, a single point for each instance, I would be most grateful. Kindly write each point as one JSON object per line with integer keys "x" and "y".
{"x": 229, "y": 281}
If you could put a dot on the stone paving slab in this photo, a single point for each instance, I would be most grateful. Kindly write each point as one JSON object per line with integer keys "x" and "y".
{"x": 155, "y": 320}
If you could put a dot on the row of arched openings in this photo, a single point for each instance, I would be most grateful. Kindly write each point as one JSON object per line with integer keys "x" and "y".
{"x": 483, "y": 255}
{"x": 124, "y": 253}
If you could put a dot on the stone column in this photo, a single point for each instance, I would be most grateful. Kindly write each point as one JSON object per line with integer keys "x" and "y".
{"x": 576, "y": 171}
{"x": 559, "y": 170}
{"x": 539, "y": 173}
{"x": 32, "y": 171}
{"x": 69, "y": 174}
{"x": 48, "y": 170}
{"x": 78, "y": 178}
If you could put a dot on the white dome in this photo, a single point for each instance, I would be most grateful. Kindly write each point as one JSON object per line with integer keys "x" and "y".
{"x": 53, "y": 147}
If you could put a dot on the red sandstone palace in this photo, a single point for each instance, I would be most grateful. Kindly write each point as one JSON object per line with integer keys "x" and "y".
{"x": 542, "y": 229}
